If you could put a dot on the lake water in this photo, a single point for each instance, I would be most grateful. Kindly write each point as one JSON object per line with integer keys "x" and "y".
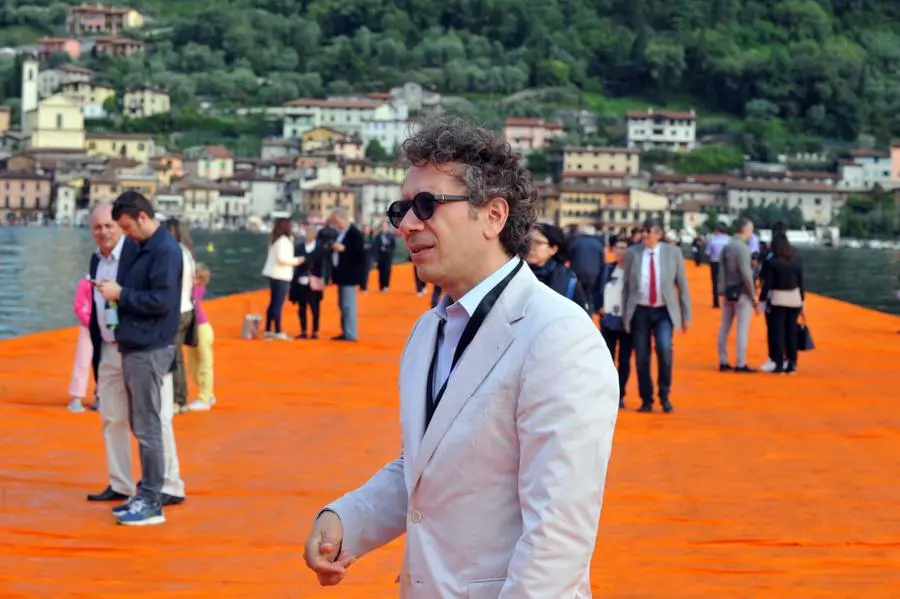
{"x": 40, "y": 267}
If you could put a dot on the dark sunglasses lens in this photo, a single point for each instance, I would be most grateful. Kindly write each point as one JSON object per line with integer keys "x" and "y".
{"x": 423, "y": 205}
{"x": 396, "y": 212}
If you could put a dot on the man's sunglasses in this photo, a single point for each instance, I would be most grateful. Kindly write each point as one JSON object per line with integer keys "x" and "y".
{"x": 423, "y": 206}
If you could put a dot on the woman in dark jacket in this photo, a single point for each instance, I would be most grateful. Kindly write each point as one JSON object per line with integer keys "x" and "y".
{"x": 305, "y": 289}
{"x": 782, "y": 290}
{"x": 545, "y": 256}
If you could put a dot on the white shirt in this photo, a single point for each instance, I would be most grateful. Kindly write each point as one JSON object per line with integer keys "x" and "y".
{"x": 280, "y": 259}
{"x": 107, "y": 268}
{"x": 456, "y": 316}
{"x": 612, "y": 292}
{"x": 187, "y": 280}
{"x": 336, "y": 255}
{"x": 645, "y": 277}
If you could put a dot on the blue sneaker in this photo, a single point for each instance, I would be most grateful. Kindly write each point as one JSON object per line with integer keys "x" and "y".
{"x": 141, "y": 512}
{"x": 123, "y": 508}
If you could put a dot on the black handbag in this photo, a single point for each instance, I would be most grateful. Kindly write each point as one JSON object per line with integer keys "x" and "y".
{"x": 804, "y": 339}
{"x": 190, "y": 334}
{"x": 733, "y": 292}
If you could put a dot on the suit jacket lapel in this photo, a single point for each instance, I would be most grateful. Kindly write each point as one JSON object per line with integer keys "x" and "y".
{"x": 488, "y": 346}
{"x": 415, "y": 375}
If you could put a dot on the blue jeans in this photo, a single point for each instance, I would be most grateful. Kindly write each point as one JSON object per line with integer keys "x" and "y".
{"x": 278, "y": 291}
{"x": 655, "y": 322}
{"x": 347, "y": 305}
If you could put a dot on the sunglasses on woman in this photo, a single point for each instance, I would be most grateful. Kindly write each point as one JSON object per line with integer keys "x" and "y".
{"x": 423, "y": 206}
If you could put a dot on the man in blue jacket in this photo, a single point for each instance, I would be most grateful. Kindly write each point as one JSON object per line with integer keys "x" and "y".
{"x": 148, "y": 303}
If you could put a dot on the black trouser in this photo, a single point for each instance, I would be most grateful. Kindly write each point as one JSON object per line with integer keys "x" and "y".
{"x": 368, "y": 262}
{"x": 770, "y": 336}
{"x": 587, "y": 285}
{"x": 307, "y": 297}
{"x": 784, "y": 334}
{"x": 179, "y": 377}
{"x": 277, "y": 293}
{"x": 623, "y": 362}
{"x": 385, "y": 263}
{"x": 714, "y": 273}
{"x": 655, "y": 323}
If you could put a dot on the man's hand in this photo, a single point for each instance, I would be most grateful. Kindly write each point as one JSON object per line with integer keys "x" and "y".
{"x": 321, "y": 550}
{"x": 338, "y": 246}
{"x": 110, "y": 290}
{"x": 684, "y": 326}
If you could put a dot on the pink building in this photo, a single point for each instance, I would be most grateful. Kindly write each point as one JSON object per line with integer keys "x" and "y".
{"x": 529, "y": 135}
{"x": 50, "y": 45}
{"x": 21, "y": 193}
{"x": 87, "y": 19}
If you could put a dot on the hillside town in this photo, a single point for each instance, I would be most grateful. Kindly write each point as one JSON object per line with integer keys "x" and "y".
{"x": 53, "y": 165}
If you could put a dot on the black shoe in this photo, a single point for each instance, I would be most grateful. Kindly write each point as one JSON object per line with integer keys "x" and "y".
{"x": 342, "y": 338}
{"x": 301, "y": 336}
{"x": 745, "y": 369}
{"x": 667, "y": 406}
{"x": 314, "y": 335}
{"x": 621, "y": 404}
{"x": 107, "y": 494}
{"x": 645, "y": 408}
{"x": 725, "y": 368}
{"x": 166, "y": 499}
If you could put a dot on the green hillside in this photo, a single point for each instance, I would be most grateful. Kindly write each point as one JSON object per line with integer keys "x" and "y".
{"x": 779, "y": 73}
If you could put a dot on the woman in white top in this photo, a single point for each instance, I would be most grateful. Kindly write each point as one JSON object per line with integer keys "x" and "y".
{"x": 179, "y": 378}
{"x": 279, "y": 269}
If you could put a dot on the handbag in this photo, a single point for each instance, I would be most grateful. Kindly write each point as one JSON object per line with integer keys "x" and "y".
{"x": 733, "y": 292}
{"x": 190, "y": 334}
{"x": 804, "y": 338}
{"x": 316, "y": 283}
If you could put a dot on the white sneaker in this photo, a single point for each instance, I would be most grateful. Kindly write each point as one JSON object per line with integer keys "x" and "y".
{"x": 268, "y": 335}
{"x": 75, "y": 405}
{"x": 768, "y": 366}
{"x": 282, "y": 337}
{"x": 201, "y": 405}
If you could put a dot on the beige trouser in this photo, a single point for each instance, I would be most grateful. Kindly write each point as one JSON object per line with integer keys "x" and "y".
{"x": 117, "y": 430}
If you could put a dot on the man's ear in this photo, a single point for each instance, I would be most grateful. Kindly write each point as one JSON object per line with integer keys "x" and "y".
{"x": 497, "y": 212}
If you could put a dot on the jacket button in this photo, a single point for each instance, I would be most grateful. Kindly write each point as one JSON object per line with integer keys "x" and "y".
{"x": 416, "y": 516}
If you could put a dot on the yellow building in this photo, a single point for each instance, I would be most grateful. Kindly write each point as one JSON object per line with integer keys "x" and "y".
{"x": 603, "y": 206}
{"x": 320, "y": 136}
{"x": 318, "y": 201}
{"x": 145, "y": 101}
{"x": 90, "y": 95}
{"x": 166, "y": 167}
{"x": 5, "y": 119}
{"x": 208, "y": 162}
{"x": 137, "y": 146}
{"x": 355, "y": 169}
{"x": 108, "y": 186}
{"x": 389, "y": 171}
{"x": 56, "y": 123}
{"x": 626, "y": 161}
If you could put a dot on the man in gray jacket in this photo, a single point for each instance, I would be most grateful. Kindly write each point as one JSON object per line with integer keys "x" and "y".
{"x": 739, "y": 294}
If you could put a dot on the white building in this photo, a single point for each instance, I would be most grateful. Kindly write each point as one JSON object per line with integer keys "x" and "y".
{"x": 64, "y": 205}
{"x": 670, "y": 130}
{"x": 874, "y": 169}
{"x": 390, "y": 125}
{"x": 50, "y": 80}
{"x": 264, "y": 194}
{"x": 373, "y": 196}
{"x": 344, "y": 115}
{"x": 815, "y": 200}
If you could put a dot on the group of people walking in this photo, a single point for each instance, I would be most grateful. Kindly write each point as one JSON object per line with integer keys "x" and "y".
{"x": 138, "y": 307}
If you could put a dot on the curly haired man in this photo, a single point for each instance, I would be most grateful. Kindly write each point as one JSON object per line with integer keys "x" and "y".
{"x": 508, "y": 398}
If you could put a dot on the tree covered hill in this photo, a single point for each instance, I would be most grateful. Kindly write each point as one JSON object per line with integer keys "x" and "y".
{"x": 827, "y": 68}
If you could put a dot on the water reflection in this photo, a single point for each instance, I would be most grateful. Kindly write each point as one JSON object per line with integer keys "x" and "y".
{"x": 39, "y": 269}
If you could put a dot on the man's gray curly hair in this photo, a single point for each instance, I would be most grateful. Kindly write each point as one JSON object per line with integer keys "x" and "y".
{"x": 491, "y": 169}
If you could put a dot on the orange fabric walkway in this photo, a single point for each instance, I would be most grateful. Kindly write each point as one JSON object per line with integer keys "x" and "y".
{"x": 757, "y": 486}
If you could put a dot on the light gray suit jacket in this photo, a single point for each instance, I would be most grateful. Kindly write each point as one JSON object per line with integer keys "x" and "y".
{"x": 500, "y": 497}
{"x": 735, "y": 268}
{"x": 672, "y": 284}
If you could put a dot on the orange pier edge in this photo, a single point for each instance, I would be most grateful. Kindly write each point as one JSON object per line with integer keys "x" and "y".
{"x": 757, "y": 486}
